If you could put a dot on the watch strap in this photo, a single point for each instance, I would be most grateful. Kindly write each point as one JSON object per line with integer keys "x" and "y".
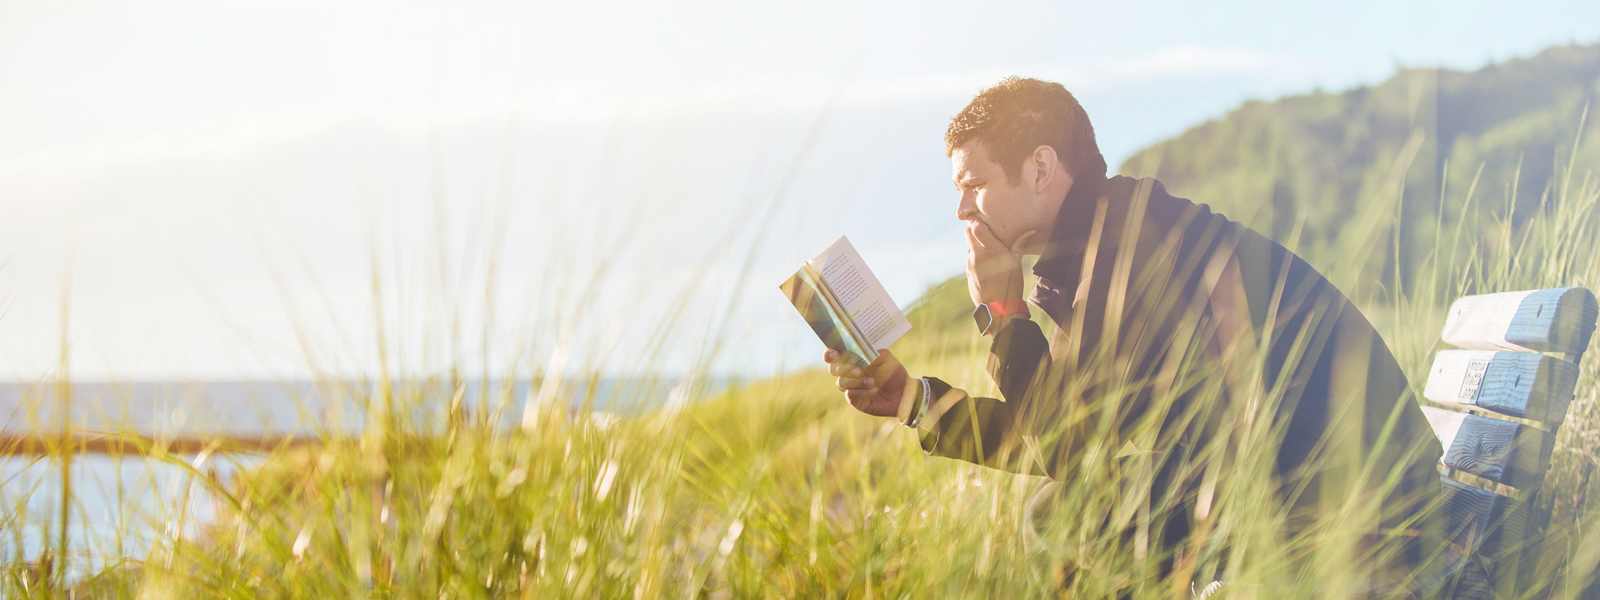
{"x": 990, "y": 316}
{"x": 1005, "y": 308}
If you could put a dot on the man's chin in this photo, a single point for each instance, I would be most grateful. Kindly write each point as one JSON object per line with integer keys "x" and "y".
{"x": 1011, "y": 245}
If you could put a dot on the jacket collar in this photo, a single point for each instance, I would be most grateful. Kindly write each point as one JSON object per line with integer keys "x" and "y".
{"x": 1071, "y": 230}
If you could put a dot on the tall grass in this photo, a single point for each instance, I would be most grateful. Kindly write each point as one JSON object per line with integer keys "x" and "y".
{"x": 779, "y": 489}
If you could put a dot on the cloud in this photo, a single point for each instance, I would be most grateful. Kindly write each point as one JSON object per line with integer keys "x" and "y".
{"x": 1205, "y": 60}
{"x": 603, "y": 105}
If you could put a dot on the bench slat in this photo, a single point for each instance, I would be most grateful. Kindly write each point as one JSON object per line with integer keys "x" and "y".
{"x": 1494, "y": 527}
{"x": 1551, "y": 320}
{"x": 1517, "y": 384}
{"x": 1502, "y": 451}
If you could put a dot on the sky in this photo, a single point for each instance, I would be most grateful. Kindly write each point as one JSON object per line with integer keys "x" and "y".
{"x": 216, "y": 190}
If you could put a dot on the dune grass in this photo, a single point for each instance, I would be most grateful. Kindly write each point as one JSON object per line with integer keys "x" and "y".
{"x": 779, "y": 489}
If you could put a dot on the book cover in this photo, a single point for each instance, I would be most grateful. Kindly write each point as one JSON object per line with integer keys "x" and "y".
{"x": 845, "y": 304}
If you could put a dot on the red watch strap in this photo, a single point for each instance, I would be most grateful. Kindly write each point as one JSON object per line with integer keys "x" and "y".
{"x": 1006, "y": 308}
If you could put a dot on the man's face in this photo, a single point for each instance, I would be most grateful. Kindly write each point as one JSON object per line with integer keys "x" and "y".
{"x": 1009, "y": 208}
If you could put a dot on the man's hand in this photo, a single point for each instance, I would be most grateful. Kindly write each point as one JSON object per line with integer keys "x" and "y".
{"x": 875, "y": 390}
{"x": 994, "y": 271}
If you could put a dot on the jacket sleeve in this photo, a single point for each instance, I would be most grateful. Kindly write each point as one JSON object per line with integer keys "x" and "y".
{"x": 989, "y": 431}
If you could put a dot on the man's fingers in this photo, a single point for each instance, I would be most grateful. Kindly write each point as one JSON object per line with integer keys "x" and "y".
{"x": 846, "y": 384}
{"x": 841, "y": 369}
{"x": 975, "y": 240}
{"x": 829, "y": 354}
{"x": 985, "y": 236}
{"x": 860, "y": 398}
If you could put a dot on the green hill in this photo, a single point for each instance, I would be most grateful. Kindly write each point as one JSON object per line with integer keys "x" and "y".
{"x": 1301, "y": 167}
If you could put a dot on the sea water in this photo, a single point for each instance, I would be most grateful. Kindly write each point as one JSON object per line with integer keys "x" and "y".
{"x": 121, "y": 505}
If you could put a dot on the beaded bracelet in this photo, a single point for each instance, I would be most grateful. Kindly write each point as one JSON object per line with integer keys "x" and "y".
{"x": 923, "y": 401}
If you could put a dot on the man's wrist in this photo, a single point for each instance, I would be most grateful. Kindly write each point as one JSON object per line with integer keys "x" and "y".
{"x": 1021, "y": 316}
{"x": 1009, "y": 307}
{"x": 919, "y": 402}
{"x": 991, "y": 316}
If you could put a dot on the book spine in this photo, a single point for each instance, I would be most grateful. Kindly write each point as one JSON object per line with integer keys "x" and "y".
{"x": 851, "y": 329}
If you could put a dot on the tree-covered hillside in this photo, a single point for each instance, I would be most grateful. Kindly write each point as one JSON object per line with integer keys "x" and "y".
{"x": 1300, "y": 167}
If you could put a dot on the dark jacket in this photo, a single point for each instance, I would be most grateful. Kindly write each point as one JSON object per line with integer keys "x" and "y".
{"x": 1176, "y": 328}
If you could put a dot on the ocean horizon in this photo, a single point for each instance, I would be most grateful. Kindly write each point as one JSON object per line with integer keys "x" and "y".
{"x": 263, "y": 407}
{"x": 121, "y": 503}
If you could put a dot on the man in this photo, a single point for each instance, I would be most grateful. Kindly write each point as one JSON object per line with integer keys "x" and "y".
{"x": 1178, "y": 335}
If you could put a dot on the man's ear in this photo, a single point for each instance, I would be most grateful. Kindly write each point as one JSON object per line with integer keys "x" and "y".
{"x": 1044, "y": 167}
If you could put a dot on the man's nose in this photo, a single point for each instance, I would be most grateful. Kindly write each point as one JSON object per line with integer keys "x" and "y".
{"x": 967, "y": 207}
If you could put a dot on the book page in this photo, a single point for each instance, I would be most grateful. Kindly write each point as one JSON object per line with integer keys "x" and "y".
{"x": 860, "y": 294}
{"x": 833, "y": 328}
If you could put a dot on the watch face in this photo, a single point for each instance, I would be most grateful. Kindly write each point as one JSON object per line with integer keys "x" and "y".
{"x": 983, "y": 317}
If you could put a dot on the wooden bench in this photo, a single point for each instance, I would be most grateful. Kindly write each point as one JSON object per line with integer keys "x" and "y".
{"x": 1501, "y": 397}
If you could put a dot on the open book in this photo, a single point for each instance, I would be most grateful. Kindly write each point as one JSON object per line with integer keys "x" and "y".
{"x": 845, "y": 305}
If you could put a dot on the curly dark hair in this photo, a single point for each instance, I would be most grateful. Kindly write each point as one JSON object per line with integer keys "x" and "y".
{"x": 1017, "y": 115}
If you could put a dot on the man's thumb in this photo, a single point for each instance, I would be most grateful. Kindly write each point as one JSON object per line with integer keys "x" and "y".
{"x": 1021, "y": 243}
{"x": 884, "y": 357}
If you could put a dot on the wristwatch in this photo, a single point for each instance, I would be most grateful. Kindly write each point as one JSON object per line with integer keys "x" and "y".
{"x": 990, "y": 315}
